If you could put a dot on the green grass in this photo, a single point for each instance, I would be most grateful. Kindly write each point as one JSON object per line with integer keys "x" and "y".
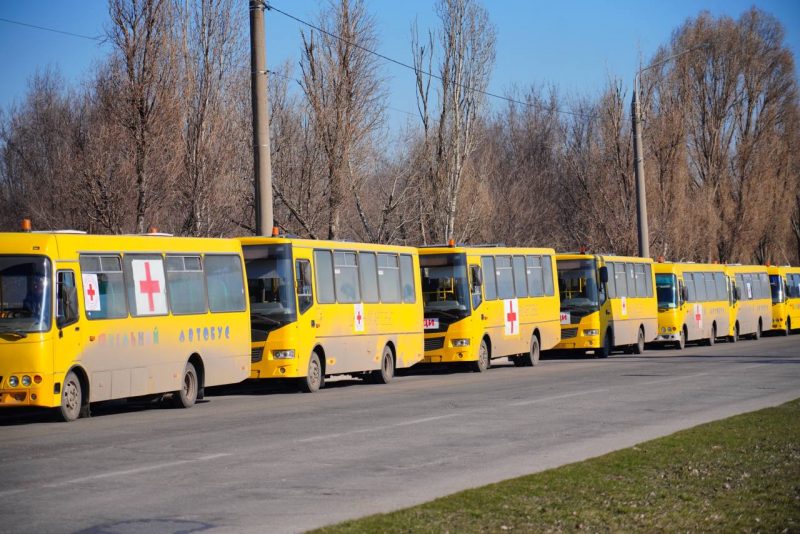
{"x": 736, "y": 475}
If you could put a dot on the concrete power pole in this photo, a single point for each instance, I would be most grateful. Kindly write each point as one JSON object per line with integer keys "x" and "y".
{"x": 261, "y": 146}
{"x": 638, "y": 165}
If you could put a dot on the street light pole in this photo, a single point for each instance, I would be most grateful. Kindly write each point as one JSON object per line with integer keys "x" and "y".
{"x": 258, "y": 90}
{"x": 638, "y": 154}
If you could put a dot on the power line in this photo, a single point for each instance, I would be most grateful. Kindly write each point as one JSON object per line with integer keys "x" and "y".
{"x": 290, "y": 79}
{"x": 270, "y": 7}
{"x": 98, "y": 38}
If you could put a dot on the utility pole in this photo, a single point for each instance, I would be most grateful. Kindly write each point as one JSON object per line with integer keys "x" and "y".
{"x": 638, "y": 165}
{"x": 261, "y": 147}
{"x": 638, "y": 154}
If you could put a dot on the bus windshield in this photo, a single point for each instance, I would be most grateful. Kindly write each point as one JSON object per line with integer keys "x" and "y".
{"x": 777, "y": 288}
{"x": 577, "y": 285}
{"x": 666, "y": 288}
{"x": 445, "y": 287}
{"x": 25, "y": 295}
{"x": 271, "y": 285}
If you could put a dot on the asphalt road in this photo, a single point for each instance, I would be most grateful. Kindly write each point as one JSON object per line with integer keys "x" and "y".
{"x": 266, "y": 459}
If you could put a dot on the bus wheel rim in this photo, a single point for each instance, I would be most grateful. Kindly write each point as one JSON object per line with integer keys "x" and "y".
{"x": 71, "y": 401}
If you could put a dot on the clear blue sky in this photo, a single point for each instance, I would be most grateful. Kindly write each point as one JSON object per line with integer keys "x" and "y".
{"x": 573, "y": 45}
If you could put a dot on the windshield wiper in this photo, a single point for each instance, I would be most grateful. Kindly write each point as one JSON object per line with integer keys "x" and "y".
{"x": 265, "y": 318}
{"x": 14, "y": 332}
{"x": 446, "y": 313}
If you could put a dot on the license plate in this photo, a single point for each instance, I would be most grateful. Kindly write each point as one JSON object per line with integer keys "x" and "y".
{"x": 430, "y": 324}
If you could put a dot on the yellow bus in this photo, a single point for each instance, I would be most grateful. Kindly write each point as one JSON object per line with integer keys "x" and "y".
{"x": 322, "y": 308}
{"x": 86, "y": 318}
{"x": 693, "y": 303}
{"x": 490, "y": 302}
{"x": 785, "y": 285}
{"x": 750, "y": 299}
{"x": 606, "y": 302}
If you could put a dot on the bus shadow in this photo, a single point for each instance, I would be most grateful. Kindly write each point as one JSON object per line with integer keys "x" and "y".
{"x": 26, "y": 416}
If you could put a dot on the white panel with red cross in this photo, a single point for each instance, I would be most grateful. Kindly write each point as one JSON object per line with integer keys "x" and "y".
{"x": 698, "y": 315}
{"x": 91, "y": 293}
{"x": 511, "y": 317}
{"x": 149, "y": 287}
{"x": 358, "y": 317}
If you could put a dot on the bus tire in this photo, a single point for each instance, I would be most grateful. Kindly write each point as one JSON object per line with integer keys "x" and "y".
{"x": 788, "y": 326}
{"x": 605, "y": 349}
{"x": 385, "y": 374}
{"x": 314, "y": 378}
{"x": 757, "y": 333}
{"x": 71, "y": 398}
{"x": 681, "y": 343}
{"x": 638, "y": 348}
{"x": 713, "y": 338}
{"x": 518, "y": 360}
{"x": 531, "y": 359}
{"x": 482, "y": 363}
{"x": 187, "y": 395}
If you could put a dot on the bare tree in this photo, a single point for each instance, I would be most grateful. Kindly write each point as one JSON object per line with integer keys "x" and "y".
{"x": 466, "y": 44}
{"x": 143, "y": 99}
{"x": 343, "y": 89}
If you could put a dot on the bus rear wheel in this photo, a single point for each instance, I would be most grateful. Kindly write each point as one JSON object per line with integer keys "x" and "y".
{"x": 314, "y": 378}
{"x": 385, "y": 374}
{"x": 788, "y": 329}
{"x": 71, "y": 398}
{"x": 530, "y": 359}
{"x": 187, "y": 395}
{"x": 757, "y": 333}
{"x": 713, "y": 338}
{"x": 735, "y": 337}
{"x": 482, "y": 364}
{"x": 639, "y": 347}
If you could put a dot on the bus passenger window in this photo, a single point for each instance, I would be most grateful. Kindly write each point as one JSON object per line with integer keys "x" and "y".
{"x": 407, "y": 278}
{"x": 305, "y": 297}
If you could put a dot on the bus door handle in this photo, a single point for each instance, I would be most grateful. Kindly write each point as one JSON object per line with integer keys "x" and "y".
{"x": 314, "y": 324}
{"x": 608, "y": 312}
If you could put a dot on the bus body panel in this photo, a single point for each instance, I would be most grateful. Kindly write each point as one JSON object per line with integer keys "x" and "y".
{"x": 785, "y": 284}
{"x": 332, "y": 330}
{"x": 127, "y": 356}
{"x": 622, "y": 316}
{"x": 488, "y": 320}
{"x": 754, "y": 304}
{"x": 697, "y": 317}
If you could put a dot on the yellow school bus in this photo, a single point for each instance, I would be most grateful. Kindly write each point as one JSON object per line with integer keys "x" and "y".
{"x": 750, "y": 299}
{"x": 489, "y": 302}
{"x": 606, "y": 302}
{"x": 693, "y": 303}
{"x": 86, "y": 318}
{"x": 785, "y": 286}
{"x": 322, "y": 308}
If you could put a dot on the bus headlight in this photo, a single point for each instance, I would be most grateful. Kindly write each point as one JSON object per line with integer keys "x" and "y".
{"x": 461, "y": 342}
{"x": 26, "y": 381}
{"x": 13, "y": 381}
{"x": 591, "y": 332}
{"x": 283, "y": 354}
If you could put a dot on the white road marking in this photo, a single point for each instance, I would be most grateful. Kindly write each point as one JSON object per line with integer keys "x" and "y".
{"x": 557, "y": 397}
{"x": 126, "y": 472}
{"x": 376, "y": 428}
{"x": 670, "y": 379}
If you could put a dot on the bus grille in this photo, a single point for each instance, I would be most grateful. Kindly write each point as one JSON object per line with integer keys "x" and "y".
{"x": 256, "y": 355}
{"x": 434, "y": 343}
{"x": 567, "y": 333}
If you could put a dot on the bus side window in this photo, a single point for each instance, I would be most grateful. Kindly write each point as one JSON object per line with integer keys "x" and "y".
{"x": 475, "y": 285}
{"x": 305, "y": 297}
{"x": 489, "y": 280}
{"x": 67, "y": 295}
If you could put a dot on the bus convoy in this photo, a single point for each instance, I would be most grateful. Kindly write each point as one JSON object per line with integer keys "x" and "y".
{"x": 89, "y": 318}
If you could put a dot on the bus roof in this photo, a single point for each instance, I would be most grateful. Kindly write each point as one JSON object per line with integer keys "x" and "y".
{"x": 324, "y": 243}
{"x": 603, "y": 257}
{"x": 680, "y": 267}
{"x": 486, "y": 250}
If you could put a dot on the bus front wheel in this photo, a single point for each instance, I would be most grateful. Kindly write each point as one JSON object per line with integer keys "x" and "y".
{"x": 605, "y": 349}
{"x": 314, "y": 378}
{"x": 735, "y": 337}
{"x": 187, "y": 395}
{"x": 681, "y": 344}
{"x": 713, "y": 338}
{"x": 757, "y": 333}
{"x": 531, "y": 359}
{"x": 639, "y": 347}
{"x": 483, "y": 358}
{"x": 385, "y": 374}
{"x": 71, "y": 398}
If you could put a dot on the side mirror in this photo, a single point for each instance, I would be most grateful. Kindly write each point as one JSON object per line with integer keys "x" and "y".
{"x": 477, "y": 276}
{"x": 684, "y": 293}
{"x": 604, "y": 274}
{"x": 736, "y": 293}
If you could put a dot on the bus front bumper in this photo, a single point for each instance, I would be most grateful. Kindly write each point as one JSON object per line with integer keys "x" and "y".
{"x": 667, "y": 338}
{"x": 579, "y": 343}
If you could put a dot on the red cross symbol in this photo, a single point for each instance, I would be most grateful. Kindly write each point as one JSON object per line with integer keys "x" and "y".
{"x": 149, "y": 286}
{"x": 511, "y": 316}
{"x": 358, "y": 317}
{"x": 91, "y": 292}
